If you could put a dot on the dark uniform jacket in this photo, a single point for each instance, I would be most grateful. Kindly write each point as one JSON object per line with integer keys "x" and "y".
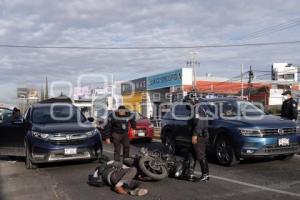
{"x": 118, "y": 124}
{"x": 289, "y": 109}
{"x": 200, "y": 124}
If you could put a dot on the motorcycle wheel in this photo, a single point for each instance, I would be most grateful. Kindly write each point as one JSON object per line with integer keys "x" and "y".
{"x": 153, "y": 168}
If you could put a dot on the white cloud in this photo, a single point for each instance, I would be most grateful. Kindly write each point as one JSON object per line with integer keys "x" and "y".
{"x": 122, "y": 23}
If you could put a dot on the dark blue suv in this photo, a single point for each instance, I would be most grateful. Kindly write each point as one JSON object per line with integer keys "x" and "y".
{"x": 59, "y": 132}
{"x": 237, "y": 129}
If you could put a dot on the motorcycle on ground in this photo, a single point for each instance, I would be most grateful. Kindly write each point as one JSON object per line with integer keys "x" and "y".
{"x": 156, "y": 165}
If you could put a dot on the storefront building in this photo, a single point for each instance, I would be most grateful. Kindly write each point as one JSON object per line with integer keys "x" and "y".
{"x": 135, "y": 95}
{"x": 164, "y": 88}
{"x": 150, "y": 95}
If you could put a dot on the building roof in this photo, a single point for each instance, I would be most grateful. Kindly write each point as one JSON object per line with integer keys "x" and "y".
{"x": 223, "y": 87}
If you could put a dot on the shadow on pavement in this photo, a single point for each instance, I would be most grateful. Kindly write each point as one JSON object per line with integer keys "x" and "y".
{"x": 149, "y": 145}
{"x": 44, "y": 165}
{"x": 159, "y": 146}
{"x": 65, "y": 163}
{"x": 12, "y": 158}
{"x": 257, "y": 160}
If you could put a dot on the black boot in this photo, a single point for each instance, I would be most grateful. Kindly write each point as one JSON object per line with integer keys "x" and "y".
{"x": 204, "y": 170}
{"x": 204, "y": 178}
{"x": 188, "y": 173}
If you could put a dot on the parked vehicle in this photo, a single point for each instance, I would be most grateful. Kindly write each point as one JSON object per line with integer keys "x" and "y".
{"x": 144, "y": 128}
{"x": 51, "y": 133}
{"x": 237, "y": 130}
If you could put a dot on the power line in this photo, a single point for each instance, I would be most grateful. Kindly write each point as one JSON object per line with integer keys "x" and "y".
{"x": 267, "y": 33}
{"x": 149, "y": 47}
{"x": 292, "y": 21}
{"x": 272, "y": 29}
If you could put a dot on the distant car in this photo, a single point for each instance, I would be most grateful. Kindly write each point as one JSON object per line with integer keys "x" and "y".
{"x": 59, "y": 133}
{"x": 144, "y": 128}
{"x": 237, "y": 130}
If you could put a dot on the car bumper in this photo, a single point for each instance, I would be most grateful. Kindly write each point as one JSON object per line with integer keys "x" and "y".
{"x": 145, "y": 133}
{"x": 43, "y": 152}
{"x": 268, "y": 146}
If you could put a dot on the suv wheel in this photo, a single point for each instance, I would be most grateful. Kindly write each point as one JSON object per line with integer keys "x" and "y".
{"x": 28, "y": 162}
{"x": 169, "y": 142}
{"x": 224, "y": 152}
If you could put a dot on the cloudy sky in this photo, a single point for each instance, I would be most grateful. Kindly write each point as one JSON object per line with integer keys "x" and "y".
{"x": 135, "y": 23}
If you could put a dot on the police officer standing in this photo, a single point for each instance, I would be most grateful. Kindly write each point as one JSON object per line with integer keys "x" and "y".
{"x": 199, "y": 139}
{"x": 118, "y": 124}
{"x": 289, "y": 107}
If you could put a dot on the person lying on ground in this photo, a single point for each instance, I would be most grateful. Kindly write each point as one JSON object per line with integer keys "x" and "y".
{"x": 120, "y": 177}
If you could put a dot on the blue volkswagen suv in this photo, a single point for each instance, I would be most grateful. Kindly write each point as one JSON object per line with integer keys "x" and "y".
{"x": 237, "y": 129}
{"x": 59, "y": 132}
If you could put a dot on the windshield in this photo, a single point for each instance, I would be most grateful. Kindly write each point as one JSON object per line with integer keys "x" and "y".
{"x": 57, "y": 114}
{"x": 239, "y": 108}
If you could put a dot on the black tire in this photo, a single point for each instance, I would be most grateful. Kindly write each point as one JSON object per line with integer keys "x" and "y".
{"x": 224, "y": 152}
{"x": 28, "y": 162}
{"x": 285, "y": 157}
{"x": 162, "y": 173}
{"x": 169, "y": 142}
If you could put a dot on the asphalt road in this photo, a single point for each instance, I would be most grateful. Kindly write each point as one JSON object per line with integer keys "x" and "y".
{"x": 256, "y": 179}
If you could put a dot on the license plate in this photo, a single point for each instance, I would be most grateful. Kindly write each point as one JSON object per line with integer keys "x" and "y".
{"x": 284, "y": 142}
{"x": 70, "y": 151}
{"x": 141, "y": 133}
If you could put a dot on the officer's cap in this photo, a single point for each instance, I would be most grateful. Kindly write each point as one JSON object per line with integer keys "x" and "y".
{"x": 287, "y": 92}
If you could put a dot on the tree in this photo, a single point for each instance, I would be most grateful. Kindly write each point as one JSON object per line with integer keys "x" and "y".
{"x": 42, "y": 97}
{"x": 46, "y": 90}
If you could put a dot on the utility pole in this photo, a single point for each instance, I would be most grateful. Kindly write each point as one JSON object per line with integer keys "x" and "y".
{"x": 242, "y": 81}
{"x": 193, "y": 62}
{"x": 42, "y": 94}
{"x": 251, "y": 76}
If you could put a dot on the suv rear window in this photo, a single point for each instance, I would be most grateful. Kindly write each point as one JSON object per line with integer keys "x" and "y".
{"x": 182, "y": 111}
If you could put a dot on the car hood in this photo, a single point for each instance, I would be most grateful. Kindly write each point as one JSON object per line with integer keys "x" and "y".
{"x": 267, "y": 121}
{"x": 63, "y": 127}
